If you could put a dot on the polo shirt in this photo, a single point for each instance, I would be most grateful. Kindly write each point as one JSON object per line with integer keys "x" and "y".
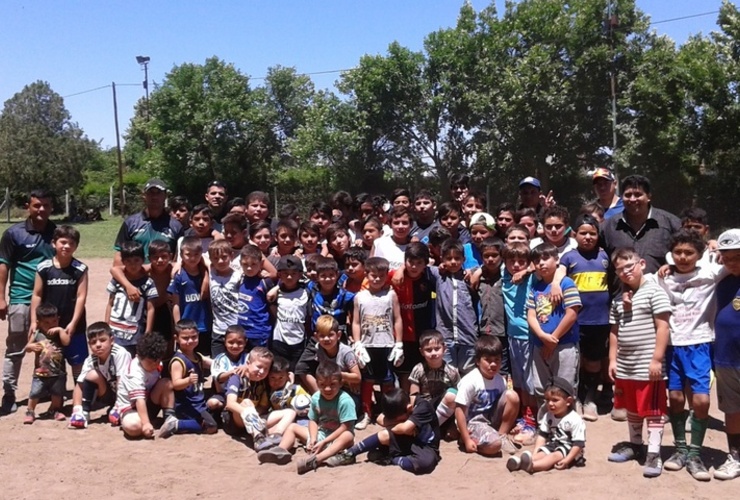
{"x": 140, "y": 227}
{"x": 22, "y": 249}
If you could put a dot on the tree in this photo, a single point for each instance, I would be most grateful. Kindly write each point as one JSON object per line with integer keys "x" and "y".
{"x": 40, "y": 147}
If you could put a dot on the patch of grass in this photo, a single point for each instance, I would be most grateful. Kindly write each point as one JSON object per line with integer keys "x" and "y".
{"x": 96, "y": 238}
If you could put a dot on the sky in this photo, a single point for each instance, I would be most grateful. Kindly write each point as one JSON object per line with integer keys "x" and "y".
{"x": 80, "y": 45}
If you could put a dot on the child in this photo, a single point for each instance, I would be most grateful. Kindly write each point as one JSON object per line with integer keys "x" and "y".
{"x": 247, "y": 395}
{"x": 260, "y": 235}
{"x": 235, "y": 227}
{"x": 637, "y": 344}
{"x": 425, "y": 209}
{"x": 517, "y": 233}
{"x": 433, "y": 379}
{"x": 160, "y": 271}
{"x": 437, "y": 236}
{"x": 371, "y": 229}
{"x": 320, "y": 214}
{"x": 392, "y": 248}
{"x": 481, "y": 226}
{"x": 201, "y": 227}
{"x": 492, "y": 315}
{"x": 504, "y": 219}
{"x": 459, "y": 187}
{"x": 100, "y": 375}
{"x": 330, "y": 428}
{"x": 224, "y": 365}
{"x": 473, "y": 203}
{"x": 377, "y": 331}
{"x": 410, "y": 439}
{"x": 554, "y": 328}
{"x": 309, "y": 236}
{"x": 286, "y": 236}
{"x": 449, "y": 217}
{"x": 254, "y": 312}
{"x": 223, "y": 286}
{"x": 401, "y": 196}
{"x": 556, "y": 230}
{"x": 187, "y": 369}
{"x": 62, "y": 282}
{"x": 258, "y": 206}
{"x": 338, "y": 241}
{"x": 282, "y": 413}
{"x": 180, "y": 208}
{"x": 328, "y": 298}
{"x": 291, "y": 311}
{"x": 696, "y": 218}
{"x": 587, "y": 267}
{"x": 527, "y": 217}
{"x": 485, "y": 411}
{"x": 142, "y": 392}
{"x": 354, "y": 269}
{"x": 185, "y": 291}
{"x": 562, "y": 434}
{"x": 130, "y": 319}
{"x": 47, "y": 342}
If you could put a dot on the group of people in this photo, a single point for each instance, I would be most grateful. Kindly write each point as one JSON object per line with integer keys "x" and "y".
{"x": 500, "y": 331}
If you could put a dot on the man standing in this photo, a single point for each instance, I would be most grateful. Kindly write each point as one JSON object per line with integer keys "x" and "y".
{"x": 216, "y": 197}
{"x": 605, "y": 187}
{"x": 22, "y": 247}
{"x": 152, "y": 223}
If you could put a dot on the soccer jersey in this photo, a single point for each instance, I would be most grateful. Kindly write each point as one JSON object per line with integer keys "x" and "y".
{"x": 254, "y": 312}
{"x": 222, "y": 364}
{"x": 329, "y": 414}
{"x": 434, "y": 382}
{"x": 113, "y": 367}
{"x": 549, "y": 316}
{"x": 472, "y": 255}
{"x": 292, "y": 315}
{"x": 255, "y": 391}
{"x": 224, "y": 291}
{"x": 727, "y": 323}
{"x": 390, "y": 250}
{"x": 127, "y": 318}
{"x": 376, "y": 318}
{"x": 187, "y": 288}
{"x": 140, "y": 227}
{"x": 588, "y": 272}
{"x": 568, "y": 430}
{"x": 22, "y": 248}
{"x": 191, "y": 399}
{"x": 136, "y": 383}
{"x": 416, "y": 299}
{"x": 59, "y": 288}
{"x": 337, "y": 304}
{"x": 480, "y": 394}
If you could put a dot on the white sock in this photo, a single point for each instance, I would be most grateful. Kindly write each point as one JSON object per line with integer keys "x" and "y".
{"x": 655, "y": 434}
{"x": 634, "y": 423}
{"x": 444, "y": 412}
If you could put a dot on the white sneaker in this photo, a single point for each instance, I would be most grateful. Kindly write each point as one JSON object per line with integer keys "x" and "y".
{"x": 728, "y": 470}
{"x": 363, "y": 422}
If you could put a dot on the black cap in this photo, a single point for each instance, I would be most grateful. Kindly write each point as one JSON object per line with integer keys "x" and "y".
{"x": 561, "y": 384}
{"x": 155, "y": 183}
{"x": 289, "y": 263}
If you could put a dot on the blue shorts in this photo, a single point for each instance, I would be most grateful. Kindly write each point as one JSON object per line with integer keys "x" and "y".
{"x": 76, "y": 352}
{"x": 692, "y": 363}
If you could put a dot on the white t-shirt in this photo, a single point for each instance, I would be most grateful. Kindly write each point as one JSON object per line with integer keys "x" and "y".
{"x": 570, "y": 244}
{"x": 118, "y": 359}
{"x": 292, "y": 311}
{"x": 569, "y": 430}
{"x": 224, "y": 300}
{"x": 376, "y": 318}
{"x": 391, "y": 251}
{"x": 480, "y": 394}
{"x": 136, "y": 383}
{"x": 221, "y": 364}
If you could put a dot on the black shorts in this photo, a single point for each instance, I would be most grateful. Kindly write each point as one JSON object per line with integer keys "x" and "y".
{"x": 292, "y": 353}
{"x": 594, "y": 343}
{"x": 411, "y": 358}
{"x": 307, "y": 363}
{"x": 378, "y": 370}
{"x": 424, "y": 459}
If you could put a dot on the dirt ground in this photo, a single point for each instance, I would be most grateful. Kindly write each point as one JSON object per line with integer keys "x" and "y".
{"x": 49, "y": 460}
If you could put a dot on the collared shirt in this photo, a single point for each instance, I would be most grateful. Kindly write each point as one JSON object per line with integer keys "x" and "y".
{"x": 142, "y": 228}
{"x": 617, "y": 209}
{"x": 22, "y": 248}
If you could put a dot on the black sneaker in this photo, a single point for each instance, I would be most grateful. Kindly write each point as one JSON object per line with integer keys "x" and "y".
{"x": 697, "y": 469}
{"x": 8, "y": 405}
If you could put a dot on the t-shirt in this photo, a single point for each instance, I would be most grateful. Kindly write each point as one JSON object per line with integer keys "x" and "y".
{"x": 480, "y": 394}
{"x": 492, "y": 315}
{"x": 192, "y": 397}
{"x": 515, "y": 305}
{"x": 140, "y": 227}
{"x": 376, "y": 317}
{"x": 570, "y": 429}
{"x": 50, "y": 361}
{"x": 113, "y": 367}
{"x": 254, "y": 312}
{"x": 59, "y": 288}
{"x": 637, "y": 334}
{"x": 345, "y": 358}
{"x": 588, "y": 270}
{"x": 127, "y": 318}
{"x": 549, "y": 317}
{"x": 136, "y": 383}
{"x": 224, "y": 292}
{"x": 22, "y": 248}
{"x": 434, "y": 382}
{"x": 727, "y": 323}
{"x": 255, "y": 391}
{"x": 223, "y": 363}
{"x": 427, "y": 433}
{"x": 422, "y": 233}
{"x": 187, "y": 288}
{"x": 416, "y": 299}
{"x": 390, "y": 250}
{"x": 281, "y": 399}
{"x": 568, "y": 245}
{"x": 329, "y": 414}
{"x": 473, "y": 257}
{"x": 292, "y": 314}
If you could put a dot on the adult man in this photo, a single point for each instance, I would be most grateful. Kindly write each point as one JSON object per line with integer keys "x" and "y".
{"x": 605, "y": 187}
{"x": 22, "y": 247}
{"x": 530, "y": 196}
{"x": 216, "y": 197}
{"x": 152, "y": 223}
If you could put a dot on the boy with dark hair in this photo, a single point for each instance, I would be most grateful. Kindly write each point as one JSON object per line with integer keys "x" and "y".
{"x": 180, "y": 208}
{"x": 425, "y": 210}
{"x": 504, "y": 218}
{"x": 437, "y": 236}
{"x": 160, "y": 271}
{"x": 696, "y": 219}
{"x": 320, "y": 214}
{"x": 201, "y": 227}
{"x": 258, "y": 206}
{"x": 449, "y": 215}
{"x": 401, "y": 196}
{"x": 556, "y": 225}
{"x": 473, "y": 203}
{"x": 354, "y": 269}
{"x": 291, "y": 311}
{"x": 235, "y": 227}
{"x": 392, "y": 247}
{"x": 490, "y": 291}
{"x": 481, "y": 226}
{"x": 254, "y": 312}
{"x": 459, "y": 187}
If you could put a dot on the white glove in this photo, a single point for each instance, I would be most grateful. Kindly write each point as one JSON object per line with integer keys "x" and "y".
{"x": 363, "y": 358}
{"x": 396, "y": 355}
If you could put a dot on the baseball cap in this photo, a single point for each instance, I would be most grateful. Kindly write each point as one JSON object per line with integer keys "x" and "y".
{"x": 530, "y": 180}
{"x": 289, "y": 263}
{"x": 155, "y": 183}
{"x": 484, "y": 219}
{"x": 729, "y": 240}
{"x": 561, "y": 384}
{"x": 603, "y": 173}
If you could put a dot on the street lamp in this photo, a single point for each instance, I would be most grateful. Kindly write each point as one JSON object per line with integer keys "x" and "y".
{"x": 144, "y": 62}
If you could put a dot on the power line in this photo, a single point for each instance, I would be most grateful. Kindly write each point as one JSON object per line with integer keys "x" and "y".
{"x": 690, "y": 16}
{"x": 101, "y": 88}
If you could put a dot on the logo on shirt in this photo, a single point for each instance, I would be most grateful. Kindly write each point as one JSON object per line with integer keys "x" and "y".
{"x": 736, "y": 303}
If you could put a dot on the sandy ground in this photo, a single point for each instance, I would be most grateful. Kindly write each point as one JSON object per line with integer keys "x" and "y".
{"x": 49, "y": 460}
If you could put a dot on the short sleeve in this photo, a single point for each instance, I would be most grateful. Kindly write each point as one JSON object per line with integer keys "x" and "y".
{"x": 135, "y": 383}
{"x": 578, "y": 432}
{"x": 417, "y": 372}
{"x": 121, "y": 360}
{"x": 121, "y": 237}
{"x": 151, "y": 290}
{"x": 571, "y": 297}
{"x": 465, "y": 391}
{"x": 346, "y": 409}
{"x": 349, "y": 360}
{"x": 233, "y": 385}
{"x": 530, "y": 299}
{"x": 659, "y": 301}
{"x": 111, "y": 288}
{"x": 454, "y": 375}
{"x": 6, "y": 247}
{"x": 313, "y": 410}
{"x": 614, "y": 314}
{"x": 423, "y": 413}
{"x": 172, "y": 287}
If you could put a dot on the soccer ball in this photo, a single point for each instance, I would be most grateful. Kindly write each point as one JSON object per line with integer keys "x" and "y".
{"x": 300, "y": 404}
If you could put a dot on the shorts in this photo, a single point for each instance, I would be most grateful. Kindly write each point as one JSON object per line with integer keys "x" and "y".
{"x": 292, "y": 353}
{"x": 76, "y": 351}
{"x": 520, "y": 364}
{"x": 423, "y": 459}
{"x": 378, "y": 370}
{"x": 461, "y": 356}
{"x": 411, "y": 358}
{"x": 563, "y": 362}
{"x": 728, "y": 389}
{"x": 594, "y": 341}
{"x": 692, "y": 363}
{"x": 483, "y": 429}
{"x": 646, "y": 398}
{"x": 151, "y": 409}
{"x": 42, "y": 387}
{"x": 554, "y": 446}
{"x": 307, "y": 363}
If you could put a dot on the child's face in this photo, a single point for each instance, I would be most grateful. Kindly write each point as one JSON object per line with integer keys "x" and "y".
{"x": 402, "y": 201}
{"x": 401, "y": 227}
{"x": 546, "y": 267}
{"x": 250, "y": 266}
{"x": 432, "y": 353}
{"x": 700, "y": 228}
{"x": 530, "y": 224}
{"x": 277, "y": 380}
{"x": 557, "y": 404}
{"x": 101, "y": 345}
{"x": 516, "y": 264}
{"x": 366, "y": 210}
{"x": 160, "y": 261}
{"x": 312, "y": 275}
{"x": 191, "y": 258}
{"x": 258, "y": 368}
{"x": 415, "y": 267}
{"x": 202, "y": 225}
{"x": 453, "y": 261}
{"x": 587, "y": 237}
{"x": 290, "y": 278}
{"x": 238, "y": 209}
{"x": 149, "y": 364}
{"x": 234, "y": 235}
{"x": 46, "y": 324}
{"x": 133, "y": 265}
{"x": 459, "y": 192}
{"x": 182, "y": 214}
{"x": 424, "y": 208}
{"x": 65, "y": 247}
{"x": 309, "y": 240}
{"x": 339, "y": 242}
{"x": 285, "y": 239}
{"x": 235, "y": 344}
{"x": 327, "y": 280}
{"x": 517, "y": 237}
{"x": 492, "y": 259}
{"x": 321, "y": 220}
{"x": 187, "y": 340}
{"x": 504, "y": 220}
{"x": 256, "y": 211}
{"x": 329, "y": 387}
{"x": 221, "y": 262}
{"x": 478, "y": 233}
{"x": 376, "y": 280}
{"x": 354, "y": 269}
{"x": 555, "y": 230}
{"x": 451, "y": 221}
{"x": 630, "y": 271}
{"x": 488, "y": 365}
{"x": 472, "y": 206}
{"x": 370, "y": 233}
{"x": 328, "y": 340}
{"x": 685, "y": 256}
{"x": 262, "y": 239}
{"x": 731, "y": 261}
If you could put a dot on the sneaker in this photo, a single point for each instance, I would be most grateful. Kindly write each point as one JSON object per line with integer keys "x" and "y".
{"x": 307, "y": 464}
{"x": 590, "y": 412}
{"x": 78, "y": 420}
{"x": 114, "y": 417}
{"x": 653, "y": 465}
{"x": 8, "y": 405}
{"x": 169, "y": 427}
{"x": 513, "y": 464}
{"x": 276, "y": 455}
{"x": 624, "y": 452}
{"x": 29, "y": 418}
{"x": 525, "y": 462}
{"x": 579, "y": 407}
{"x": 378, "y": 457}
{"x": 508, "y": 446}
{"x": 728, "y": 470}
{"x": 253, "y": 423}
{"x": 677, "y": 461}
{"x": 363, "y": 422}
{"x": 619, "y": 414}
{"x": 341, "y": 458}
{"x": 697, "y": 469}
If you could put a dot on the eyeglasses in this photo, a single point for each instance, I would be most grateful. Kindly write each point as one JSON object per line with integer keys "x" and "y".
{"x": 554, "y": 227}
{"x": 626, "y": 269}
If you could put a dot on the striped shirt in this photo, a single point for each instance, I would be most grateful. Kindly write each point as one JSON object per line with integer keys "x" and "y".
{"x": 637, "y": 335}
{"x": 548, "y": 315}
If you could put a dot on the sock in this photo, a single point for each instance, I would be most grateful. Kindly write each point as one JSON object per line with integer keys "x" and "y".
{"x": 678, "y": 425}
{"x": 168, "y": 412}
{"x": 404, "y": 463}
{"x": 655, "y": 427}
{"x": 88, "y": 394}
{"x": 698, "y": 431}
{"x": 733, "y": 444}
{"x": 366, "y": 393}
{"x": 634, "y": 423}
{"x": 591, "y": 383}
{"x": 367, "y": 444}
{"x": 444, "y": 412}
{"x": 189, "y": 427}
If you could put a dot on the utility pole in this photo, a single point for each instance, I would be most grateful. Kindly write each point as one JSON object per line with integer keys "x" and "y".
{"x": 118, "y": 152}
{"x": 612, "y": 23}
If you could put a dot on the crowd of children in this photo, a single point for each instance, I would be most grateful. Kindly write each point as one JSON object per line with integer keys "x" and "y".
{"x": 500, "y": 331}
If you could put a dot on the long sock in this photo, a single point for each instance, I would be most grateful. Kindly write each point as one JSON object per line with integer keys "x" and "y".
{"x": 634, "y": 423}
{"x": 655, "y": 427}
{"x": 88, "y": 394}
{"x": 733, "y": 444}
{"x": 369, "y": 443}
{"x": 404, "y": 463}
{"x": 678, "y": 425}
{"x": 698, "y": 431}
{"x": 366, "y": 393}
{"x": 189, "y": 427}
{"x": 444, "y": 412}
{"x": 168, "y": 412}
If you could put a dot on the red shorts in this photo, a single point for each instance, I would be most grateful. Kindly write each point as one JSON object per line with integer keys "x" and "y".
{"x": 645, "y": 397}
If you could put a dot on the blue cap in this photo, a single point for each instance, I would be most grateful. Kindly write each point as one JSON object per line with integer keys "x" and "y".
{"x": 530, "y": 180}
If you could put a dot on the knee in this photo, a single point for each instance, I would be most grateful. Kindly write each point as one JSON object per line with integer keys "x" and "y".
{"x": 512, "y": 398}
{"x": 384, "y": 437}
{"x": 449, "y": 399}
